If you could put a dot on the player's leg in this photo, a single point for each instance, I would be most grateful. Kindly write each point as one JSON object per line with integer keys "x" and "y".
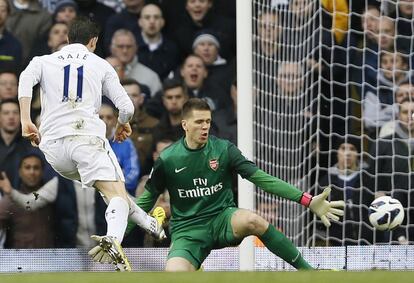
{"x": 189, "y": 248}
{"x": 150, "y": 223}
{"x": 245, "y": 223}
{"x": 116, "y": 214}
{"x": 178, "y": 264}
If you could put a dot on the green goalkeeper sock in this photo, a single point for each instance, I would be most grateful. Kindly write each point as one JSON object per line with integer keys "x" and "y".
{"x": 281, "y": 246}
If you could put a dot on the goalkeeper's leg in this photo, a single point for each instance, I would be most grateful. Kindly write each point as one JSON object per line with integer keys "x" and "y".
{"x": 245, "y": 223}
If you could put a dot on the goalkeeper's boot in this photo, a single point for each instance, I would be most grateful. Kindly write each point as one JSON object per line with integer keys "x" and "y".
{"x": 156, "y": 230}
{"x": 112, "y": 247}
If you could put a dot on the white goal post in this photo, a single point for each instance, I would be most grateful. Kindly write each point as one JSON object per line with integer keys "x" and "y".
{"x": 245, "y": 117}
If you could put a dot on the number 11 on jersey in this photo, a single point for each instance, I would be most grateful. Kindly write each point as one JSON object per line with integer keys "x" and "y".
{"x": 79, "y": 87}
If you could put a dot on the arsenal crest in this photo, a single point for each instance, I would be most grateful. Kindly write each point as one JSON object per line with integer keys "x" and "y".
{"x": 214, "y": 164}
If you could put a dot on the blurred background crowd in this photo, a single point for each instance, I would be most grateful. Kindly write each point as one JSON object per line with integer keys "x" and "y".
{"x": 166, "y": 51}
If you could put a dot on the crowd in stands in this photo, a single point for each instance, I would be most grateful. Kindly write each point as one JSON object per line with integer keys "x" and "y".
{"x": 353, "y": 77}
{"x": 165, "y": 52}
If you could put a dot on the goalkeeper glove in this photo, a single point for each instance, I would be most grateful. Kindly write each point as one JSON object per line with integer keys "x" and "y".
{"x": 325, "y": 210}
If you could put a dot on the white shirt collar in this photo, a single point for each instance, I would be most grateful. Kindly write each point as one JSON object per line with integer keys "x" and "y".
{"x": 75, "y": 46}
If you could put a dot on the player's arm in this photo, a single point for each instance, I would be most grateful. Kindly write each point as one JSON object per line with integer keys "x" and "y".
{"x": 113, "y": 89}
{"x": 28, "y": 78}
{"x": 318, "y": 204}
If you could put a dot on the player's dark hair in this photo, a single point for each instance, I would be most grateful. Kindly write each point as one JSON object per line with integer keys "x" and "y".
{"x": 9, "y": 100}
{"x": 82, "y": 30}
{"x": 194, "y": 104}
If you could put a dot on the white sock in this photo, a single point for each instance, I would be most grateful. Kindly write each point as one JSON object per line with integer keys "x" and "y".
{"x": 139, "y": 216}
{"x": 116, "y": 216}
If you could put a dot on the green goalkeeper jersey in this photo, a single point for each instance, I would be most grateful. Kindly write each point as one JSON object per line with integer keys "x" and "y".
{"x": 200, "y": 181}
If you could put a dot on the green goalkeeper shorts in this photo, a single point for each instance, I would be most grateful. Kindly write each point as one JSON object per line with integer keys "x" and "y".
{"x": 194, "y": 243}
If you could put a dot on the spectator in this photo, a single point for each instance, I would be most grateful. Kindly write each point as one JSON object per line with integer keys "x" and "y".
{"x": 384, "y": 41}
{"x": 288, "y": 121}
{"x": 344, "y": 178}
{"x": 28, "y": 21}
{"x": 65, "y": 11}
{"x": 126, "y": 19}
{"x": 207, "y": 45}
{"x": 404, "y": 24}
{"x": 267, "y": 43}
{"x": 10, "y": 47}
{"x": 142, "y": 124}
{"x": 118, "y": 66}
{"x": 194, "y": 74}
{"x": 8, "y": 85}
{"x": 370, "y": 24}
{"x": 155, "y": 50}
{"x": 378, "y": 103}
{"x": 54, "y": 39}
{"x": 124, "y": 47}
{"x": 390, "y": 164}
{"x": 225, "y": 120}
{"x": 125, "y": 152}
{"x": 268, "y": 30}
{"x": 29, "y": 225}
{"x": 365, "y": 53}
{"x": 116, "y": 5}
{"x": 49, "y": 5}
{"x": 199, "y": 16}
{"x": 404, "y": 90}
{"x": 290, "y": 79}
{"x": 173, "y": 99}
{"x": 12, "y": 145}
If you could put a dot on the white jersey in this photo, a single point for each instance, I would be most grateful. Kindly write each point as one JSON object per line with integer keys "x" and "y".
{"x": 72, "y": 82}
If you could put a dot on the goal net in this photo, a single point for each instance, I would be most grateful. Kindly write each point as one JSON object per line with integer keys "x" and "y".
{"x": 329, "y": 81}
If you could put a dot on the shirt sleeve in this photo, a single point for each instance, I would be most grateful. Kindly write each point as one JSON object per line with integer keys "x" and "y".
{"x": 113, "y": 89}
{"x": 38, "y": 199}
{"x": 275, "y": 186}
{"x": 30, "y": 77}
{"x": 239, "y": 163}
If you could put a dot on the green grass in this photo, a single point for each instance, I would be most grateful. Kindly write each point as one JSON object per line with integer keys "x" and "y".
{"x": 213, "y": 277}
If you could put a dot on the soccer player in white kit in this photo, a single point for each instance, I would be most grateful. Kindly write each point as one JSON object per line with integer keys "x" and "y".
{"x": 72, "y": 136}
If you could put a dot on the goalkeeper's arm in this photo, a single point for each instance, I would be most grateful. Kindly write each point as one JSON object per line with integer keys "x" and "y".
{"x": 318, "y": 204}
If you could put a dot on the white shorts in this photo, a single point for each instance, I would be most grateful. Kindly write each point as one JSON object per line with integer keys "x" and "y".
{"x": 84, "y": 158}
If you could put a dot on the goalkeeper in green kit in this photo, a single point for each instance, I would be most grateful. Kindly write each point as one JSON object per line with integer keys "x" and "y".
{"x": 197, "y": 172}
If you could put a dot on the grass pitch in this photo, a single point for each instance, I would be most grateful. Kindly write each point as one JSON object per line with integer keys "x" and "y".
{"x": 214, "y": 277}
